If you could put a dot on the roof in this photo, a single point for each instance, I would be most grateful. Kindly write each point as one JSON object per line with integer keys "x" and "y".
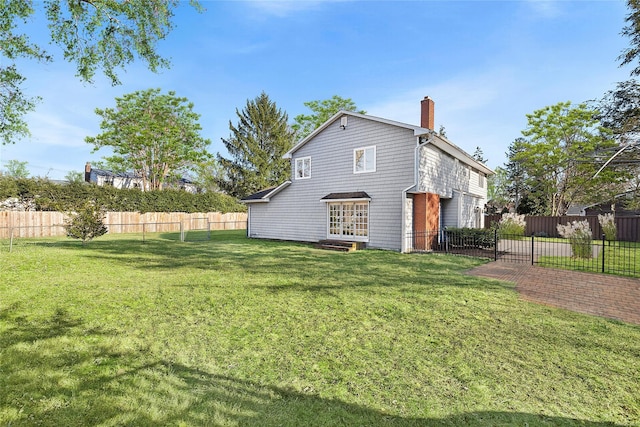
{"x": 347, "y": 196}
{"x": 266, "y": 194}
{"x": 432, "y": 137}
{"x": 104, "y": 172}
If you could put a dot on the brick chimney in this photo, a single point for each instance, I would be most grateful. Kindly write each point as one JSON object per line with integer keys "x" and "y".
{"x": 87, "y": 172}
{"x": 426, "y": 113}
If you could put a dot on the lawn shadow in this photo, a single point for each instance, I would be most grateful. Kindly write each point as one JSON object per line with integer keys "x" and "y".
{"x": 165, "y": 393}
{"x": 323, "y": 270}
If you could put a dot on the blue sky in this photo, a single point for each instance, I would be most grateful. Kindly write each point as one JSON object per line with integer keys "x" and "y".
{"x": 485, "y": 64}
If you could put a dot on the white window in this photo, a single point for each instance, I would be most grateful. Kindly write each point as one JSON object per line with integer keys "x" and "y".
{"x": 364, "y": 159}
{"x": 303, "y": 168}
{"x": 349, "y": 220}
{"x": 480, "y": 180}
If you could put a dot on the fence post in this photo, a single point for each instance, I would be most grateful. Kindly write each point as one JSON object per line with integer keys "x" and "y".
{"x": 181, "y": 232}
{"x": 603, "y": 241}
{"x": 143, "y": 224}
{"x": 532, "y": 247}
{"x": 11, "y": 239}
{"x": 495, "y": 244}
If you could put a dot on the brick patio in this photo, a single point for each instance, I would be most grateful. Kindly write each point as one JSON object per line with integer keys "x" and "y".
{"x": 602, "y": 295}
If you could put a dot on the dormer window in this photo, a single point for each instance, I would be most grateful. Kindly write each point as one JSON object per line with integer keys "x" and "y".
{"x": 303, "y": 168}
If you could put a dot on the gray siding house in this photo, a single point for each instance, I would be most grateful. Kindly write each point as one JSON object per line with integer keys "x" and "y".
{"x": 368, "y": 179}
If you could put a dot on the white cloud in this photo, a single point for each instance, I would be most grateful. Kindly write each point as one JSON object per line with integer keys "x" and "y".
{"x": 285, "y": 8}
{"x": 547, "y": 9}
{"x": 54, "y": 129}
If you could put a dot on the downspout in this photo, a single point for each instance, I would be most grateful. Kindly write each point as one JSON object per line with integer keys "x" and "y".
{"x": 416, "y": 168}
{"x": 248, "y": 220}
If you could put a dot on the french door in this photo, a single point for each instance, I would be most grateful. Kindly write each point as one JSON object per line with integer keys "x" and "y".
{"x": 349, "y": 221}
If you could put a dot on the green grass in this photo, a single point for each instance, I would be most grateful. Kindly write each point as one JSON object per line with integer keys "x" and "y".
{"x": 620, "y": 258}
{"x": 237, "y": 332}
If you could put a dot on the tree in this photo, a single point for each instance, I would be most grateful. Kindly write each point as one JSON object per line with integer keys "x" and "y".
{"x": 322, "y": 111}
{"x": 555, "y": 157}
{"x": 155, "y": 135}
{"x": 478, "y": 156}
{"x": 94, "y": 35}
{"x": 632, "y": 30}
{"x": 517, "y": 187}
{"x": 208, "y": 174}
{"x": 74, "y": 177}
{"x": 256, "y": 145}
{"x": 497, "y": 191}
{"x": 17, "y": 169}
{"x": 619, "y": 110}
{"x": 87, "y": 223}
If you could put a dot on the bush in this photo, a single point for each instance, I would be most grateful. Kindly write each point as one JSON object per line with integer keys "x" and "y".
{"x": 49, "y": 196}
{"x": 473, "y": 237}
{"x": 608, "y": 224}
{"x": 579, "y": 235}
{"x": 87, "y": 223}
{"x": 511, "y": 225}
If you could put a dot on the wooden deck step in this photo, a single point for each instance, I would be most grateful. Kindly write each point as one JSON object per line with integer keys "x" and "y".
{"x": 339, "y": 245}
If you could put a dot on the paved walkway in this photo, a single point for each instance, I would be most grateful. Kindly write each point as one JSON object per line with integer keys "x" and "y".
{"x": 602, "y": 295}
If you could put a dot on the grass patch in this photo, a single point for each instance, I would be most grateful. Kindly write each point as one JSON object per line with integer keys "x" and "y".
{"x": 232, "y": 332}
{"x": 620, "y": 258}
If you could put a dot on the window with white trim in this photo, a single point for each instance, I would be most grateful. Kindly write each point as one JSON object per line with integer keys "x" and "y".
{"x": 364, "y": 159}
{"x": 303, "y": 168}
{"x": 480, "y": 180}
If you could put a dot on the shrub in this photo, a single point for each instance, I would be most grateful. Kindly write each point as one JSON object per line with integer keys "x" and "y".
{"x": 608, "y": 224}
{"x": 49, "y": 196}
{"x": 579, "y": 235}
{"x": 511, "y": 224}
{"x": 473, "y": 237}
{"x": 87, "y": 223}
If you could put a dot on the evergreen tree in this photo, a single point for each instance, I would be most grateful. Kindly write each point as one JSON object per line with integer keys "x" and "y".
{"x": 478, "y": 156}
{"x": 256, "y": 145}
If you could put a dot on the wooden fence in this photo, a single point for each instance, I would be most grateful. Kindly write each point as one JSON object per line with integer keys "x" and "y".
{"x": 628, "y": 228}
{"x": 48, "y": 224}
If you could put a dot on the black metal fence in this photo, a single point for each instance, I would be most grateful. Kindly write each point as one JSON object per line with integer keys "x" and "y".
{"x": 601, "y": 256}
{"x": 627, "y": 228}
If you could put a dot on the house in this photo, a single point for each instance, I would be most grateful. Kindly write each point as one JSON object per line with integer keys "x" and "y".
{"x": 121, "y": 180}
{"x": 618, "y": 206}
{"x": 367, "y": 179}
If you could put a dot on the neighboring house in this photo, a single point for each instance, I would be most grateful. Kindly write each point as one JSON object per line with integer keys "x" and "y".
{"x": 104, "y": 177}
{"x": 367, "y": 179}
{"x": 618, "y": 206}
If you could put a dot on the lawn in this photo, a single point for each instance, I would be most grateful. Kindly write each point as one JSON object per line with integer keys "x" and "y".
{"x": 237, "y": 332}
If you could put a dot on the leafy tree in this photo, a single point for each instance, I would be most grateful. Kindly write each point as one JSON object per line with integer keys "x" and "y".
{"x": 93, "y": 35}
{"x": 155, "y": 135}
{"x": 208, "y": 174}
{"x": 17, "y": 169}
{"x": 87, "y": 223}
{"x": 256, "y": 145}
{"x": 554, "y": 158}
{"x": 322, "y": 111}
{"x": 497, "y": 191}
{"x": 74, "y": 177}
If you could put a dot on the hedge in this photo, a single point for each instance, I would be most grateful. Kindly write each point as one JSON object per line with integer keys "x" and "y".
{"x": 50, "y": 196}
